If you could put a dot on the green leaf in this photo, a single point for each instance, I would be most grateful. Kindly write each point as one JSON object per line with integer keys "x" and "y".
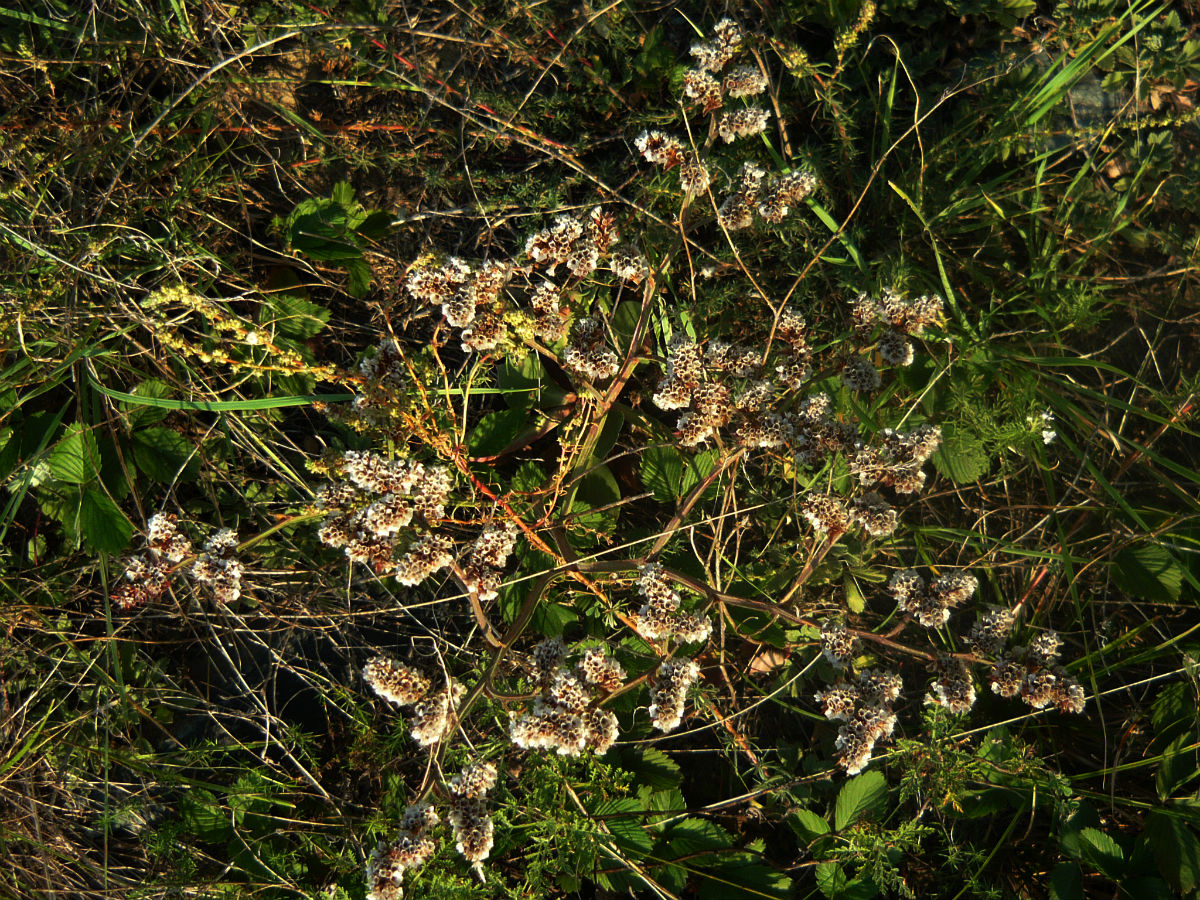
{"x": 102, "y": 525}
{"x": 497, "y": 430}
{"x": 140, "y": 415}
{"x": 1174, "y": 710}
{"x": 375, "y": 226}
{"x": 75, "y": 459}
{"x": 624, "y": 322}
{"x": 552, "y": 619}
{"x": 695, "y": 836}
{"x": 859, "y": 796}
{"x": 666, "y": 473}
{"x": 1177, "y": 768}
{"x": 360, "y": 277}
{"x": 1102, "y": 851}
{"x": 1149, "y": 572}
{"x": 831, "y": 880}
{"x": 655, "y": 768}
{"x": 1066, "y": 882}
{"x": 164, "y": 455}
{"x": 10, "y": 451}
{"x": 203, "y": 816}
{"x": 961, "y": 456}
{"x": 807, "y": 824}
{"x": 1176, "y": 850}
{"x": 623, "y": 818}
{"x": 597, "y": 489}
{"x": 293, "y": 316}
{"x": 741, "y": 876}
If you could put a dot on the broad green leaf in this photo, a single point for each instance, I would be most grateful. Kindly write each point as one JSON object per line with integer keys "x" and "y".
{"x": 102, "y": 525}
{"x": 623, "y": 818}
{"x": 360, "y": 277}
{"x": 1066, "y": 882}
{"x": 293, "y": 316}
{"x": 693, "y": 836}
{"x": 1176, "y": 850}
{"x": 666, "y": 473}
{"x": 551, "y": 619}
{"x": 75, "y": 459}
{"x": 831, "y": 880}
{"x": 655, "y": 768}
{"x": 164, "y": 455}
{"x": 1178, "y": 766}
{"x": 1149, "y": 572}
{"x": 742, "y": 876}
{"x": 807, "y": 824}
{"x": 141, "y": 415}
{"x": 597, "y": 489}
{"x": 497, "y": 430}
{"x": 10, "y": 451}
{"x": 1174, "y": 710}
{"x": 961, "y": 456}
{"x": 863, "y": 794}
{"x": 624, "y": 322}
{"x": 1102, "y": 851}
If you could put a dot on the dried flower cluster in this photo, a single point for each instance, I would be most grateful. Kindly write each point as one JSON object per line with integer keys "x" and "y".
{"x": 865, "y": 706}
{"x": 953, "y": 688}
{"x": 433, "y": 711}
{"x": 891, "y": 320}
{"x": 897, "y": 460}
{"x": 931, "y": 605}
{"x": 411, "y": 848}
{"x": 469, "y": 818}
{"x": 669, "y": 690}
{"x": 147, "y": 577}
{"x": 565, "y": 716}
{"x": 838, "y": 645}
{"x": 481, "y": 571}
{"x": 377, "y": 508}
{"x": 750, "y": 191}
{"x": 218, "y": 568}
{"x": 1032, "y": 673}
{"x": 484, "y": 300}
{"x": 660, "y": 617}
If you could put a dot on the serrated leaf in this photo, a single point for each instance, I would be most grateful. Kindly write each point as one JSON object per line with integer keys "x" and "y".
{"x": 293, "y": 316}
{"x": 831, "y": 880}
{"x": 1173, "y": 710}
{"x": 140, "y": 415}
{"x": 1177, "y": 768}
{"x": 623, "y": 818}
{"x": 163, "y": 455}
{"x": 655, "y": 768}
{"x": 497, "y": 430}
{"x": 1066, "y": 881}
{"x": 597, "y": 489}
{"x": 1176, "y": 850}
{"x": 863, "y": 794}
{"x": 375, "y": 226}
{"x": 961, "y": 456}
{"x": 102, "y": 525}
{"x": 1149, "y": 572}
{"x": 741, "y": 876}
{"x": 75, "y": 459}
{"x": 10, "y": 452}
{"x": 1102, "y": 851}
{"x": 666, "y": 473}
{"x": 693, "y": 836}
{"x": 360, "y": 277}
{"x": 807, "y": 824}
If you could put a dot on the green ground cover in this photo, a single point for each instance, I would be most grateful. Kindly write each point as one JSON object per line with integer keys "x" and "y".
{"x": 550, "y": 450}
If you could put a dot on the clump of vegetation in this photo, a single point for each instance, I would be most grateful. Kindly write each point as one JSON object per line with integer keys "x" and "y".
{"x": 746, "y": 456}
